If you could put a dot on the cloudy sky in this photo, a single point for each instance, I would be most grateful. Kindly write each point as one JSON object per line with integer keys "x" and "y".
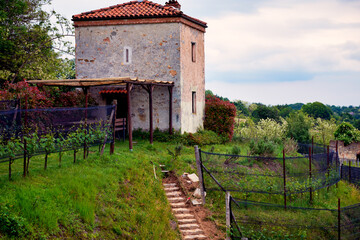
{"x": 273, "y": 51}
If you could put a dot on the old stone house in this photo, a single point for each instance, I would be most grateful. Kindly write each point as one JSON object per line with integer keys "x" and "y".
{"x": 145, "y": 40}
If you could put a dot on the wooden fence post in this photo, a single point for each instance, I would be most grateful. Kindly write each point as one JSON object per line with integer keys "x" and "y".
{"x": 310, "y": 175}
{"x": 199, "y": 171}
{"x": 112, "y": 144}
{"x": 339, "y": 219}
{"x": 284, "y": 175}
{"x": 228, "y": 216}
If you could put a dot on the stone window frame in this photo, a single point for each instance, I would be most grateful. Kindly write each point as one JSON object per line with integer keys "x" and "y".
{"x": 193, "y": 102}
{"x": 193, "y": 51}
{"x": 127, "y": 55}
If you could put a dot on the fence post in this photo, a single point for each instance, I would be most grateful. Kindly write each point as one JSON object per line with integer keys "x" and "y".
{"x": 328, "y": 163}
{"x": 339, "y": 219}
{"x": 284, "y": 174}
{"x": 228, "y": 216}
{"x": 199, "y": 171}
{"x": 350, "y": 171}
{"x": 310, "y": 176}
{"x": 112, "y": 144}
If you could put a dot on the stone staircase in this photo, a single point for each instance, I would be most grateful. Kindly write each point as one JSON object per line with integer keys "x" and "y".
{"x": 188, "y": 225}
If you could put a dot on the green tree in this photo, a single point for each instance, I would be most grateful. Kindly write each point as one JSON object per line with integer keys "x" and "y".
{"x": 317, "y": 110}
{"x": 298, "y": 127}
{"x": 347, "y": 133}
{"x": 264, "y": 112}
{"x": 241, "y": 107}
{"x": 28, "y": 40}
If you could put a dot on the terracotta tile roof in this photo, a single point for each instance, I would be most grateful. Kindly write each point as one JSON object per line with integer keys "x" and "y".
{"x": 134, "y": 9}
{"x": 113, "y": 92}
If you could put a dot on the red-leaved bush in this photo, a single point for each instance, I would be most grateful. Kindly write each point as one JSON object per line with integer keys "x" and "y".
{"x": 219, "y": 116}
{"x": 22, "y": 90}
{"x": 43, "y": 97}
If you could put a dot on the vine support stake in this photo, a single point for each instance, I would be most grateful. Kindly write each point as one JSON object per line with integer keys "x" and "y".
{"x": 310, "y": 175}
{"x": 199, "y": 171}
{"x": 112, "y": 144}
{"x": 284, "y": 175}
{"x": 350, "y": 171}
{"x": 339, "y": 219}
{"x": 228, "y": 216}
{"x": 328, "y": 163}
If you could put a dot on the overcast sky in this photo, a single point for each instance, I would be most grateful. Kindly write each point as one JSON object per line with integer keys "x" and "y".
{"x": 273, "y": 51}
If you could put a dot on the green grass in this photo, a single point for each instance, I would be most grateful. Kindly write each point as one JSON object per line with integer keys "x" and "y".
{"x": 108, "y": 197}
{"x": 117, "y": 197}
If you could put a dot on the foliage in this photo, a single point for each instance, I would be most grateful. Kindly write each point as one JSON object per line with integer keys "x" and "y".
{"x": 347, "y": 133}
{"x": 291, "y": 147}
{"x": 266, "y": 129}
{"x": 241, "y": 108}
{"x": 264, "y": 112}
{"x": 219, "y": 116}
{"x": 204, "y": 137}
{"x": 262, "y": 148}
{"x": 323, "y": 131}
{"x": 28, "y": 40}
{"x": 43, "y": 97}
{"x": 11, "y": 224}
{"x": 317, "y": 110}
{"x": 298, "y": 126}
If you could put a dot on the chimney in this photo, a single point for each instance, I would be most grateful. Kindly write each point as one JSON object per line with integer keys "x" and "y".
{"x": 173, "y": 3}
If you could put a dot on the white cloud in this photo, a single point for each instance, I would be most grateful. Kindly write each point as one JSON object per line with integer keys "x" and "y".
{"x": 327, "y": 89}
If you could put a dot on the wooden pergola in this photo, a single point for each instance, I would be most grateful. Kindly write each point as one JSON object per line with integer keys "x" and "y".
{"x": 127, "y": 82}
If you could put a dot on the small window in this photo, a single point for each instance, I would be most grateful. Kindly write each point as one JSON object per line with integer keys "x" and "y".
{"x": 193, "y": 102}
{"x": 193, "y": 51}
{"x": 127, "y": 55}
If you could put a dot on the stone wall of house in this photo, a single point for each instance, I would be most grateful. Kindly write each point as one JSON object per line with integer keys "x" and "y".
{"x": 154, "y": 53}
{"x": 346, "y": 152}
{"x": 192, "y": 78}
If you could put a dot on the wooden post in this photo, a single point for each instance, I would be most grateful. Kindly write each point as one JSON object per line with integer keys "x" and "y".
{"x": 112, "y": 144}
{"x": 85, "y": 89}
{"x": 170, "y": 109}
{"x": 350, "y": 171}
{"x": 339, "y": 219}
{"x": 199, "y": 171}
{"x": 128, "y": 89}
{"x": 312, "y": 145}
{"x": 328, "y": 163}
{"x": 228, "y": 216}
{"x": 10, "y": 162}
{"x": 284, "y": 175}
{"x": 337, "y": 160}
{"x": 24, "y": 132}
{"x": 310, "y": 175}
{"x": 151, "y": 89}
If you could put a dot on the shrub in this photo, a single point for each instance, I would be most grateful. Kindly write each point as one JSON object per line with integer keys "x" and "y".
{"x": 262, "y": 148}
{"x": 298, "y": 127}
{"x": 10, "y": 224}
{"x": 347, "y": 133}
{"x": 219, "y": 116}
{"x": 204, "y": 137}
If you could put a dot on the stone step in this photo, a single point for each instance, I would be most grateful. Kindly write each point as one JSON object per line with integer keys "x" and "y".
{"x": 187, "y": 221}
{"x": 173, "y": 194}
{"x": 196, "y": 231}
{"x": 184, "y": 216}
{"x": 194, "y": 237}
{"x": 168, "y": 189}
{"x": 169, "y": 184}
{"x": 176, "y": 199}
{"x": 181, "y": 210}
{"x": 188, "y": 226}
{"x": 177, "y": 205}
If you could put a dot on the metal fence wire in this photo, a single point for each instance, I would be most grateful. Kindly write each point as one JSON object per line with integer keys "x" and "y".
{"x": 17, "y": 124}
{"x": 237, "y": 173}
{"x": 317, "y": 168}
{"x": 342, "y": 223}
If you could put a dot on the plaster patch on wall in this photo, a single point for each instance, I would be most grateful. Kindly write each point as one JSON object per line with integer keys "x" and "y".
{"x": 173, "y": 73}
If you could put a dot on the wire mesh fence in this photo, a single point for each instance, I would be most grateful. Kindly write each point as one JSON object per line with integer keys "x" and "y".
{"x": 320, "y": 223}
{"x": 28, "y": 133}
{"x": 316, "y": 169}
{"x": 268, "y": 175}
{"x": 351, "y": 174}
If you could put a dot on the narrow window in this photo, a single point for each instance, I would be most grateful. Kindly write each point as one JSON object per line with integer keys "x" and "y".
{"x": 193, "y": 51}
{"x": 193, "y": 102}
{"x": 127, "y": 55}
